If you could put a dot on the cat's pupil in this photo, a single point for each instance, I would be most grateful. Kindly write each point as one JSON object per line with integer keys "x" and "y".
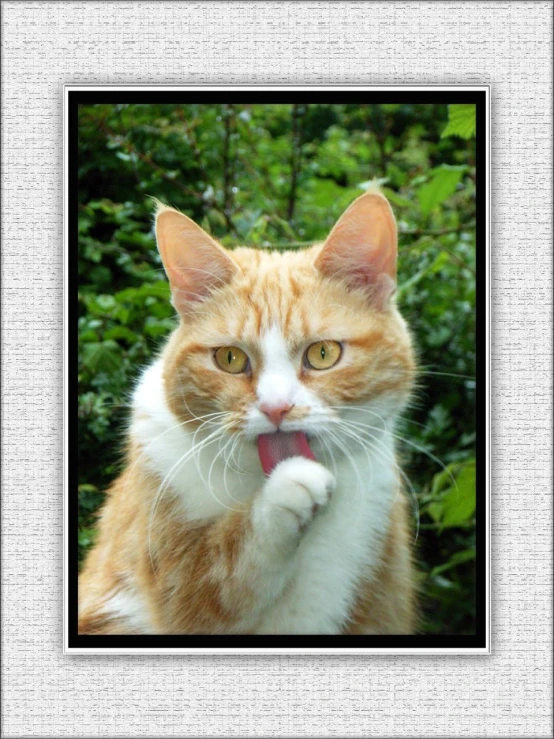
{"x": 323, "y": 352}
{"x": 229, "y": 356}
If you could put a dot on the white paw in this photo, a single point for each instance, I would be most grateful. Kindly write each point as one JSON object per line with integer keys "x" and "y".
{"x": 293, "y": 494}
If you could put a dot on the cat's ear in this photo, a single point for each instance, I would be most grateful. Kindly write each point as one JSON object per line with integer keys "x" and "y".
{"x": 195, "y": 264}
{"x": 362, "y": 248}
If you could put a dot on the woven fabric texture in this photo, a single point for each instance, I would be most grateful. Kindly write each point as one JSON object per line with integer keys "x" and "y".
{"x": 47, "y": 44}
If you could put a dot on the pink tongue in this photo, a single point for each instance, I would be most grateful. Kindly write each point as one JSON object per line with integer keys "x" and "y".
{"x": 273, "y": 448}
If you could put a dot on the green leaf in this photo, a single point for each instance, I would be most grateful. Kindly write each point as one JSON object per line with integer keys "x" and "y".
{"x": 89, "y": 335}
{"x": 454, "y": 506}
{"x": 459, "y": 504}
{"x": 461, "y": 121}
{"x": 439, "y": 336}
{"x": 155, "y": 327}
{"x": 396, "y": 199}
{"x": 84, "y": 223}
{"x": 100, "y": 275}
{"x": 442, "y": 184}
{"x": 458, "y": 558}
{"x": 121, "y": 332}
{"x": 87, "y": 488}
{"x": 87, "y": 537}
{"x": 101, "y": 356}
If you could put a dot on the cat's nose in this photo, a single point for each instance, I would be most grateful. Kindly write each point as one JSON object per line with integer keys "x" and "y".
{"x": 275, "y": 413}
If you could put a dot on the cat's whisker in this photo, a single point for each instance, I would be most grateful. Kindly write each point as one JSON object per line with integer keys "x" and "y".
{"x": 414, "y": 405}
{"x": 226, "y": 465}
{"x": 385, "y": 427}
{"x": 447, "y": 374}
{"x": 384, "y": 454}
{"x": 419, "y": 448}
{"x": 199, "y": 447}
{"x": 328, "y": 453}
{"x": 363, "y": 429}
{"x": 422, "y": 370}
{"x": 362, "y": 408}
{"x": 214, "y": 460}
{"x": 234, "y": 448}
{"x": 235, "y": 467}
{"x": 347, "y": 454}
{"x": 233, "y": 442}
{"x": 360, "y": 442}
{"x": 194, "y": 416}
{"x": 387, "y": 456}
{"x": 227, "y": 455}
{"x": 153, "y": 441}
{"x": 188, "y": 454}
{"x": 165, "y": 484}
{"x": 411, "y": 420}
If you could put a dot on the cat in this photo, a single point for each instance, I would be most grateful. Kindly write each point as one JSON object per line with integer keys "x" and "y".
{"x": 261, "y": 494}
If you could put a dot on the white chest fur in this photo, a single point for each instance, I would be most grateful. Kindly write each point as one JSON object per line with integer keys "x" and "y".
{"x": 342, "y": 544}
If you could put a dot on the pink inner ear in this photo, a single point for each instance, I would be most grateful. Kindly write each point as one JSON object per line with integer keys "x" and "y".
{"x": 362, "y": 248}
{"x": 194, "y": 262}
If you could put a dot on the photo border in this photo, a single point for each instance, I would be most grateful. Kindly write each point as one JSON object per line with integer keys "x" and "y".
{"x": 278, "y": 644}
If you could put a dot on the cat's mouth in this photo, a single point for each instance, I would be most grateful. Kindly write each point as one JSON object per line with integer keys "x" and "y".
{"x": 274, "y": 448}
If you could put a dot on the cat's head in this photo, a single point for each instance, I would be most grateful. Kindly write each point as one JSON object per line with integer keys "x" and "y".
{"x": 293, "y": 341}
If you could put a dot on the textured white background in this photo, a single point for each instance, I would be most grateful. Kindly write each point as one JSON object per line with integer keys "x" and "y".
{"x": 506, "y": 44}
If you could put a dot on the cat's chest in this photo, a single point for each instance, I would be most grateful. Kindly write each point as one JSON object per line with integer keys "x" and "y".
{"x": 343, "y": 547}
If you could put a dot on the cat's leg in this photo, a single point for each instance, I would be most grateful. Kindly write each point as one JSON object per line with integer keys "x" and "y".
{"x": 238, "y": 566}
{"x": 290, "y": 499}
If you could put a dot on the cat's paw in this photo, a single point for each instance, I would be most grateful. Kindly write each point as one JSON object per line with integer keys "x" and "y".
{"x": 293, "y": 494}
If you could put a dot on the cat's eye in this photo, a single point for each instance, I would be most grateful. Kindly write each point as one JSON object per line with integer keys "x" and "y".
{"x": 323, "y": 354}
{"x": 231, "y": 359}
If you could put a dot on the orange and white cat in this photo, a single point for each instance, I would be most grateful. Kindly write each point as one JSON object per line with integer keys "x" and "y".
{"x": 261, "y": 493}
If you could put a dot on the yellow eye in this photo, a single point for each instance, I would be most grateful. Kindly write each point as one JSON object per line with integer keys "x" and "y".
{"x": 231, "y": 359}
{"x": 323, "y": 355}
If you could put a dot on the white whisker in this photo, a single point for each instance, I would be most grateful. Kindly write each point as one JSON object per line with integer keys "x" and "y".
{"x": 385, "y": 453}
{"x": 229, "y": 508}
{"x": 151, "y": 442}
{"x": 349, "y": 457}
{"x": 419, "y": 448}
{"x": 165, "y": 484}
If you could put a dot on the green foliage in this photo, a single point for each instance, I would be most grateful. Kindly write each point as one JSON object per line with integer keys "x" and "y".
{"x": 448, "y": 504}
{"x": 453, "y": 505}
{"x": 442, "y": 183}
{"x": 461, "y": 121}
{"x": 279, "y": 176}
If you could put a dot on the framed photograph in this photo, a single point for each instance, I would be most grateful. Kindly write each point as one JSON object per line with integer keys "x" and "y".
{"x": 277, "y": 369}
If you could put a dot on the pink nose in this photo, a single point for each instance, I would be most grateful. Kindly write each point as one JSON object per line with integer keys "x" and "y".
{"x": 275, "y": 413}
